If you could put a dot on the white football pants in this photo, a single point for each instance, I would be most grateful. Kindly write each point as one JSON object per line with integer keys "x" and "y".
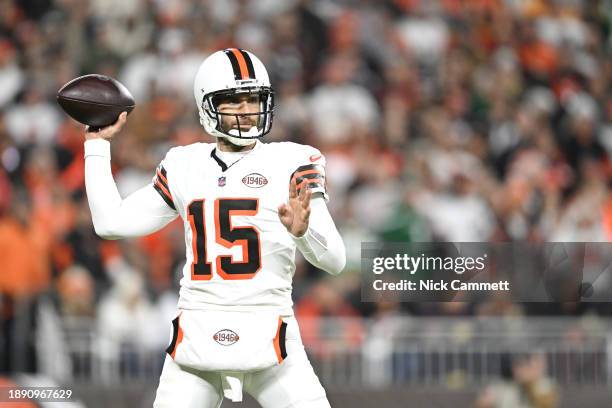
{"x": 292, "y": 384}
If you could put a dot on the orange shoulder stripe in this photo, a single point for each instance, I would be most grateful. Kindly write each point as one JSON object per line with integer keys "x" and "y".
{"x": 164, "y": 190}
{"x": 160, "y": 175}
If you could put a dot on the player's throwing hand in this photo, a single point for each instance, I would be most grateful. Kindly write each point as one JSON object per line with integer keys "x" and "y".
{"x": 107, "y": 132}
{"x": 295, "y": 214}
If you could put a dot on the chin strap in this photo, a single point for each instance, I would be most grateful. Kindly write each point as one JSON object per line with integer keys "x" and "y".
{"x": 238, "y": 141}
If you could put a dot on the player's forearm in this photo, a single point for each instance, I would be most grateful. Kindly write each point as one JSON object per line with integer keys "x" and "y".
{"x": 142, "y": 213}
{"x": 102, "y": 195}
{"x": 322, "y": 244}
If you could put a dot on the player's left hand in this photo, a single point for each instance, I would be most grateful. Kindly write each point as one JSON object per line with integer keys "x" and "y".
{"x": 295, "y": 214}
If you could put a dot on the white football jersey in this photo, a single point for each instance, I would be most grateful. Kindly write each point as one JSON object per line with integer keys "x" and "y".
{"x": 239, "y": 256}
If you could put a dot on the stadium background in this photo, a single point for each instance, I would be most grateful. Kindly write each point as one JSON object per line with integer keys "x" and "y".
{"x": 446, "y": 120}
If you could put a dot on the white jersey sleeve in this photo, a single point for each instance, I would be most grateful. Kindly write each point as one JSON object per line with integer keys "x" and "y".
{"x": 322, "y": 244}
{"x": 141, "y": 213}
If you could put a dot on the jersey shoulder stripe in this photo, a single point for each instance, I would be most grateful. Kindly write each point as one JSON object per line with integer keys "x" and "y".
{"x": 174, "y": 167}
{"x": 311, "y": 176}
{"x": 309, "y": 169}
{"x": 160, "y": 183}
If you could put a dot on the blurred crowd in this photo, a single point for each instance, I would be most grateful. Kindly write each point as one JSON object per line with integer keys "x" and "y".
{"x": 447, "y": 120}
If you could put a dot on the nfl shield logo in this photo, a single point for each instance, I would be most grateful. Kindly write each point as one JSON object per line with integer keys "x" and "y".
{"x": 221, "y": 181}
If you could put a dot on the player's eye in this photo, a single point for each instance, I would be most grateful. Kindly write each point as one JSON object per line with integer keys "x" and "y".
{"x": 253, "y": 98}
{"x": 236, "y": 99}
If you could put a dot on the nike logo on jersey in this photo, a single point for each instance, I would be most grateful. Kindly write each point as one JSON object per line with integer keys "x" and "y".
{"x": 314, "y": 158}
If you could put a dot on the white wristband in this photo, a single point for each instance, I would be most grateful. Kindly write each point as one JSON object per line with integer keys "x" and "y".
{"x": 97, "y": 147}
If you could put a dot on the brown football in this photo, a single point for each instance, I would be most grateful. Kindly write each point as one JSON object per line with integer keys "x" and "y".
{"x": 95, "y": 100}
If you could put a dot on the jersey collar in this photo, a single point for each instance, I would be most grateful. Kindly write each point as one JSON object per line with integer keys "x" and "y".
{"x": 223, "y": 165}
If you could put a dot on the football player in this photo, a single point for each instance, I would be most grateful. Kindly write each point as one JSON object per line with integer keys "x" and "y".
{"x": 246, "y": 206}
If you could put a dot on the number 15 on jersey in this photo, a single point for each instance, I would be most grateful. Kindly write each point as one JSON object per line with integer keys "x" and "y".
{"x": 226, "y": 235}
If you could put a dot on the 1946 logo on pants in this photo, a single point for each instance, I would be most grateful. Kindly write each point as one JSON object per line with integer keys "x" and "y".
{"x": 226, "y": 337}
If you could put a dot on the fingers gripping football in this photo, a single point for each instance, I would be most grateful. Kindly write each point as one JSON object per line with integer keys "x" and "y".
{"x": 294, "y": 214}
{"x": 106, "y": 132}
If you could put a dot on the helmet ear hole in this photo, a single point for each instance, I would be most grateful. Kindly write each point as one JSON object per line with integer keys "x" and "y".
{"x": 207, "y": 107}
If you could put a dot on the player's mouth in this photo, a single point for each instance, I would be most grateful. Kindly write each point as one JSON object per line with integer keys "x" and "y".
{"x": 243, "y": 128}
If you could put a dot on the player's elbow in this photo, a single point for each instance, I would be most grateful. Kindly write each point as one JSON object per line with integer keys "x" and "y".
{"x": 105, "y": 231}
{"x": 337, "y": 261}
{"x": 338, "y": 266}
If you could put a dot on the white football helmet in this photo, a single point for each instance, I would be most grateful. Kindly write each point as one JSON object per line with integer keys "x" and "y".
{"x": 226, "y": 74}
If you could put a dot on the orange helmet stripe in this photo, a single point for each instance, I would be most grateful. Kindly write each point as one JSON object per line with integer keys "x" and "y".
{"x": 244, "y": 73}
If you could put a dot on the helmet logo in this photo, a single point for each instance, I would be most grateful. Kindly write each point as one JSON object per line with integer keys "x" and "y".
{"x": 254, "y": 180}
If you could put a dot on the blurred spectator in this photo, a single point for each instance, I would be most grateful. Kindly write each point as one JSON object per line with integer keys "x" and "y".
{"x": 76, "y": 292}
{"x": 424, "y": 32}
{"x": 129, "y": 325}
{"x": 341, "y": 110}
{"x": 11, "y": 76}
{"x": 325, "y": 300}
{"x": 34, "y": 120}
{"x": 24, "y": 274}
{"x": 24, "y": 251}
{"x": 524, "y": 385}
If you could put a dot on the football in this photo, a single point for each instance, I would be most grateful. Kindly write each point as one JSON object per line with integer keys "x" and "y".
{"x": 95, "y": 100}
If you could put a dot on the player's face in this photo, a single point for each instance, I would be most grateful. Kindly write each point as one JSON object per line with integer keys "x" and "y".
{"x": 241, "y": 111}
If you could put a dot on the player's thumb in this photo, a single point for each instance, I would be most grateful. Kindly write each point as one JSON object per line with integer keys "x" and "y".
{"x": 116, "y": 127}
{"x": 122, "y": 119}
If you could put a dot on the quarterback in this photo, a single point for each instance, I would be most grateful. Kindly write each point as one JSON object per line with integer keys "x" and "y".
{"x": 246, "y": 207}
